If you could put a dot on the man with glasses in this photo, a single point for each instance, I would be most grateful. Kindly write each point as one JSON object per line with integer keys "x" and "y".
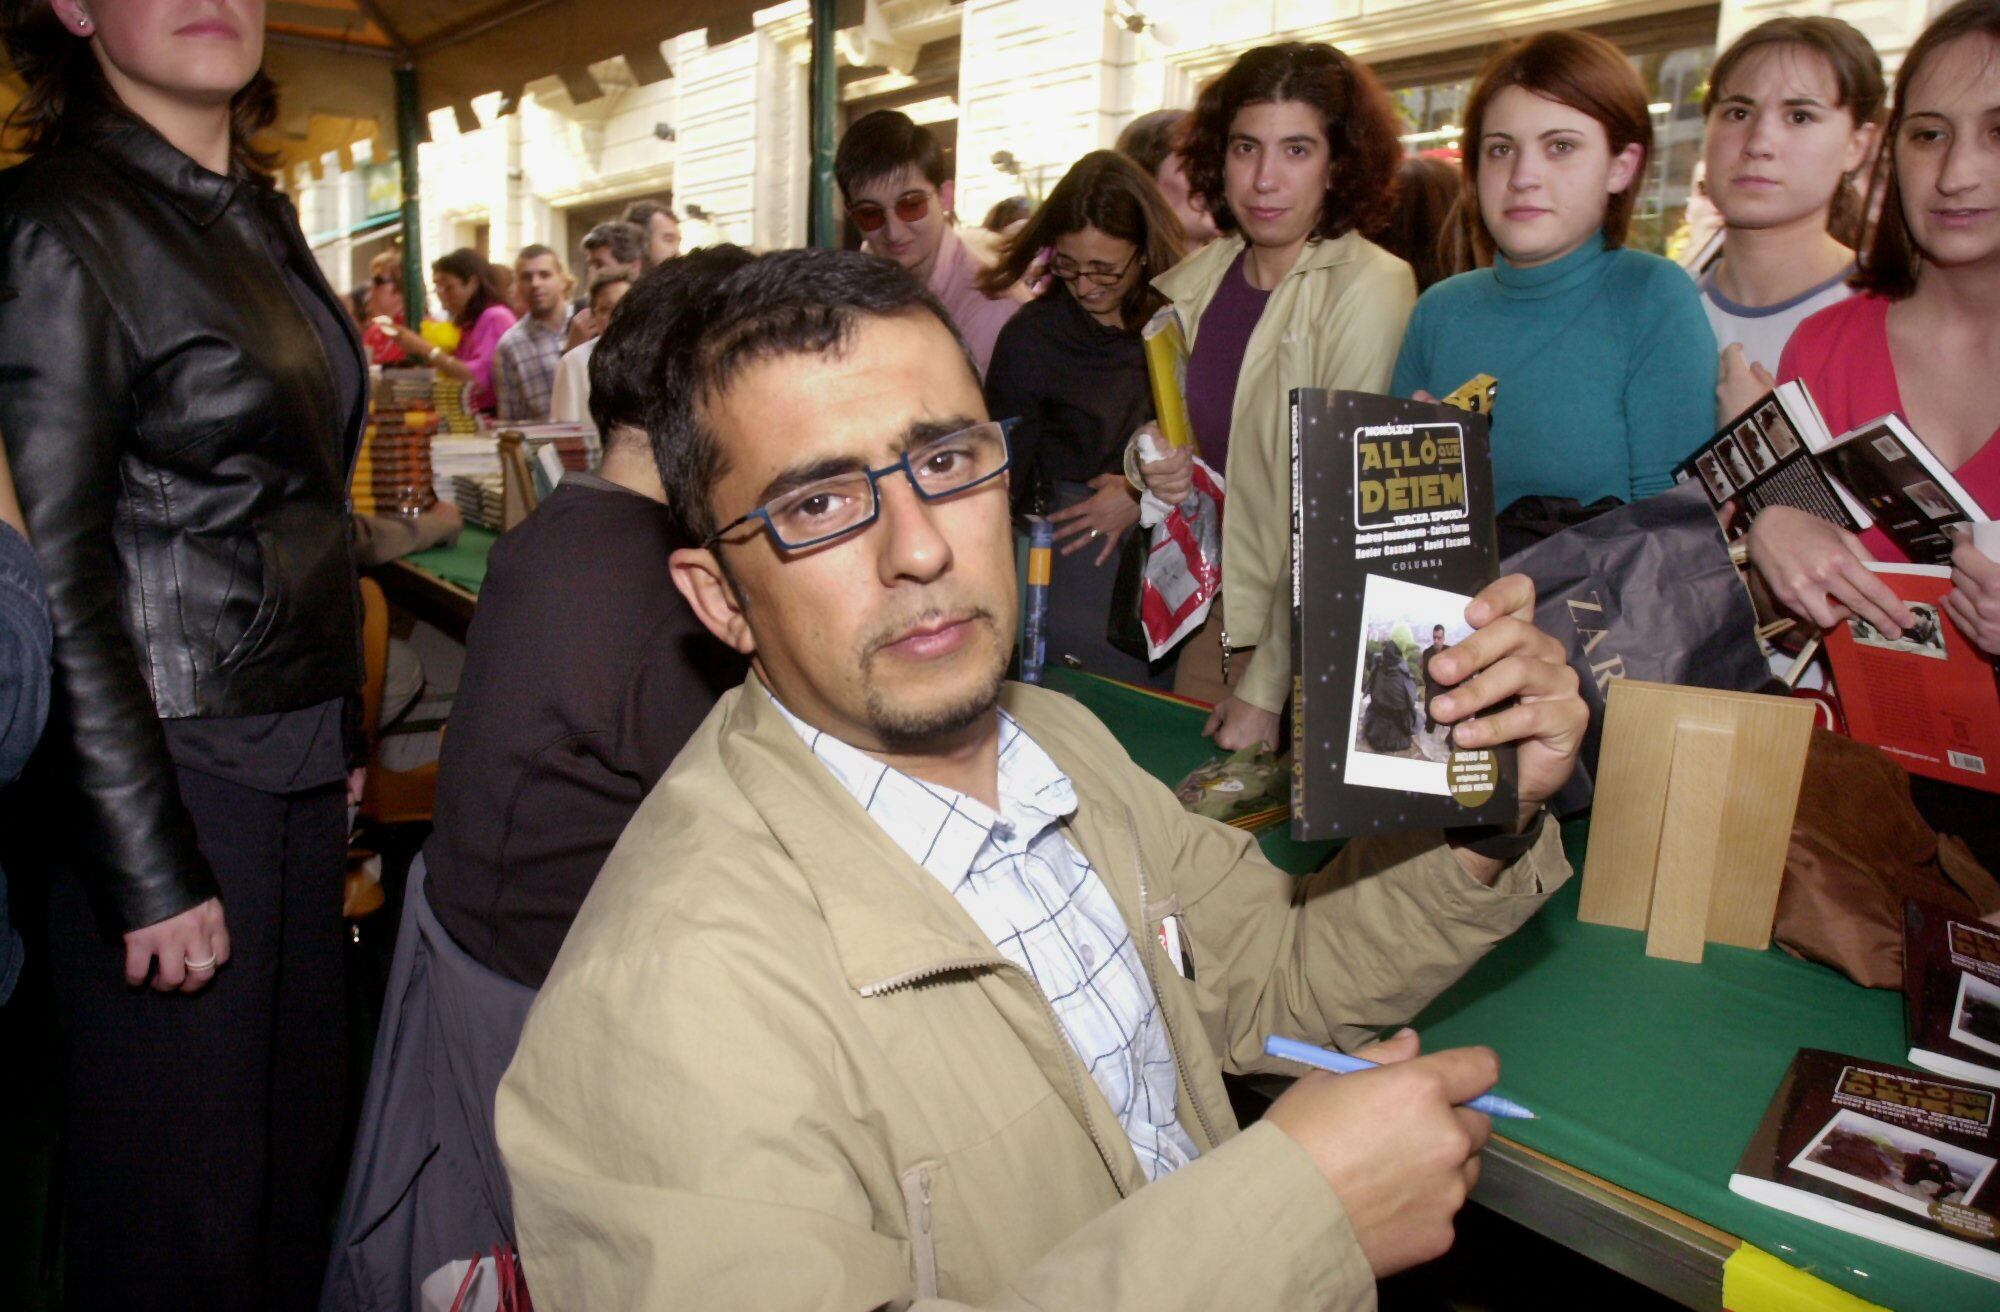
{"x": 892, "y": 178}
{"x": 879, "y": 997}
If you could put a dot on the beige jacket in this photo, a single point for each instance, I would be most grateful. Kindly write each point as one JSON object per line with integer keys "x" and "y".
{"x": 777, "y": 1066}
{"x": 1335, "y": 321}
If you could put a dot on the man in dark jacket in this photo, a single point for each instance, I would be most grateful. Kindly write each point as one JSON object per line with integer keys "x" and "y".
{"x": 585, "y": 672}
{"x": 24, "y": 676}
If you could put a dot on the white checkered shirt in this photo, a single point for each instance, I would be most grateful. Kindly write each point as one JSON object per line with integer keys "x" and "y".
{"x": 1046, "y": 910}
{"x": 524, "y": 370}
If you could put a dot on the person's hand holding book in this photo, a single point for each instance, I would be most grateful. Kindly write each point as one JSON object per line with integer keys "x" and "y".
{"x": 1974, "y": 599}
{"x": 1819, "y": 571}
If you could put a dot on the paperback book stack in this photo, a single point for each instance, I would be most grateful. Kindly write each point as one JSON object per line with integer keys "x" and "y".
{"x": 480, "y": 499}
{"x": 448, "y": 397}
{"x": 392, "y": 473}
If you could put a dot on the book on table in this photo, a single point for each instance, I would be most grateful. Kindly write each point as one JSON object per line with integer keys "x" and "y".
{"x": 1879, "y": 474}
{"x": 1899, "y": 1156}
{"x": 1951, "y": 989}
{"x": 1392, "y": 534}
{"x": 1926, "y": 696}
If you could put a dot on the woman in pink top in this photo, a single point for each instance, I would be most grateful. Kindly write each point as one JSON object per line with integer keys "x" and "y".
{"x": 1924, "y": 339}
{"x": 466, "y": 288}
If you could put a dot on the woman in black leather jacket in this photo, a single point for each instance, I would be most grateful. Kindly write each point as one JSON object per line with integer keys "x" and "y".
{"x": 181, "y": 395}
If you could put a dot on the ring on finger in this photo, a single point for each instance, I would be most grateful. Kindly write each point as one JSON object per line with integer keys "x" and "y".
{"x": 204, "y": 965}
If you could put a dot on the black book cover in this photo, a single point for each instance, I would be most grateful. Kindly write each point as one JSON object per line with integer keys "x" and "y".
{"x": 1392, "y": 535}
{"x": 1951, "y": 983}
{"x": 1899, "y": 1156}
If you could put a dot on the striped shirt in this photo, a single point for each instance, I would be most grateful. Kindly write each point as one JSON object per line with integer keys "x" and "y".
{"x": 1044, "y": 907}
{"x": 524, "y": 370}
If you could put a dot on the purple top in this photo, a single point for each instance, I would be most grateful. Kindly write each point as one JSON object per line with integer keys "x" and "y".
{"x": 1217, "y": 360}
{"x": 475, "y": 352}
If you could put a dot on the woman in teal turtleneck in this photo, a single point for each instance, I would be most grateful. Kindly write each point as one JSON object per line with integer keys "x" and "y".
{"x": 1605, "y": 361}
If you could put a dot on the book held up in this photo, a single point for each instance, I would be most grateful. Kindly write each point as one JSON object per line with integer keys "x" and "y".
{"x": 1392, "y": 535}
{"x": 1780, "y": 453}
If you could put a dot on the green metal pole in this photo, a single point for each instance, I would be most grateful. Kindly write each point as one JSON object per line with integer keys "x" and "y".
{"x": 410, "y": 132}
{"x": 822, "y": 217}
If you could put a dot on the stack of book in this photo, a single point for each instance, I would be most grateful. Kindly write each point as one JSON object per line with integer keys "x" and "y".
{"x": 392, "y": 473}
{"x": 449, "y": 400}
{"x": 480, "y": 499}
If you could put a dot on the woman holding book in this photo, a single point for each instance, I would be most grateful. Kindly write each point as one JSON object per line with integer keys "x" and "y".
{"x": 1070, "y": 370}
{"x": 1293, "y": 150}
{"x": 183, "y": 399}
{"x": 1792, "y": 106}
{"x": 1605, "y": 362}
{"x": 1926, "y": 326}
{"x": 1922, "y": 340}
{"x": 470, "y": 291}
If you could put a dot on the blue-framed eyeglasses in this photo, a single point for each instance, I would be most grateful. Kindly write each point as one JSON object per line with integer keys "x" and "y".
{"x": 836, "y": 507}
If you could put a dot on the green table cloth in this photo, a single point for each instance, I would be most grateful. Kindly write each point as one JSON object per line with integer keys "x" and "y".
{"x": 463, "y": 562}
{"x": 1649, "y": 1074}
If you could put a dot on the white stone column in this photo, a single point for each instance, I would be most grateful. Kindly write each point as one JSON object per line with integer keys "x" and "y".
{"x": 1040, "y": 80}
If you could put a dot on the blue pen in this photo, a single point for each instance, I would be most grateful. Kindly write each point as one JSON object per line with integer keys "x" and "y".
{"x": 1341, "y": 1064}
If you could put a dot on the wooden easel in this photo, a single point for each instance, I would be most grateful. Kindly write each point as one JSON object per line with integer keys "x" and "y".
{"x": 1696, "y": 790}
{"x": 517, "y": 483}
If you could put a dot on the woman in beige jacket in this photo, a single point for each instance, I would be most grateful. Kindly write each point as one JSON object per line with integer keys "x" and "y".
{"x": 1294, "y": 151}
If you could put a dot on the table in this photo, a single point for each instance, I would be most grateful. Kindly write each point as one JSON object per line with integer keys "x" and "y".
{"x": 1649, "y": 1076}
{"x": 440, "y": 586}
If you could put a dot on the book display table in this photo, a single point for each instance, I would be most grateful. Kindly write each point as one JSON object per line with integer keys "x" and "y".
{"x": 1649, "y": 1075}
{"x": 441, "y": 586}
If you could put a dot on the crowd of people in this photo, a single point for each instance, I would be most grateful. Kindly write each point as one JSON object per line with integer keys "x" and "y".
{"x": 770, "y": 949}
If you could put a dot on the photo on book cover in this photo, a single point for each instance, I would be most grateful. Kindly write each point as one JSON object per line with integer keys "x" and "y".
{"x": 1733, "y": 460}
{"x": 1897, "y": 1165}
{"x": 1924, "y": 637}
{"x": 1396, "y": 744}
{"x": 1975, "y": 1014}
{"x": 1720, "y": 489}
{"x": 1930, "y": 499}
{"x": 1784, "y": 439}
{"x": 1750, "y": 436}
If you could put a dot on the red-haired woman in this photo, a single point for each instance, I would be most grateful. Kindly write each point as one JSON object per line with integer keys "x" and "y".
{"x": 1294, "y": 152}
{"x": 1605, "y": 361}
{"x": 182, "y": 396}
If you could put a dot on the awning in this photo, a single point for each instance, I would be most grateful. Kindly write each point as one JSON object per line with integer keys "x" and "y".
{"x": 332, "y": 59}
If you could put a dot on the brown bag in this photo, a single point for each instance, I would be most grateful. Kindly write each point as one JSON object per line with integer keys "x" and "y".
{"x": 1859, "y": 848}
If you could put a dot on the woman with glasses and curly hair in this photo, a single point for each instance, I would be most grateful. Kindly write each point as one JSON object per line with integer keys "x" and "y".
{"x": 1294, "y": 153}
{"x": 1071, "y": 371}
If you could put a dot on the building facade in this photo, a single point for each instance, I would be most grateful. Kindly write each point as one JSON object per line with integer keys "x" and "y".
{"x": 1015, "y": 89}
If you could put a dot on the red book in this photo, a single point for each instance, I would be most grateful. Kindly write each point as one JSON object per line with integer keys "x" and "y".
{"x": 1928, "y": 697}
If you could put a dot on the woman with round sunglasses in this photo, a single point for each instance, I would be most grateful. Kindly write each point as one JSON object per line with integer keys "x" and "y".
{"x": 1293, "y": 151}
{"x": 182, "y": 404}
{"x": 893, "y": 181}
{"x": 1605, "y": 361}
{"x": 1070, "y": 370}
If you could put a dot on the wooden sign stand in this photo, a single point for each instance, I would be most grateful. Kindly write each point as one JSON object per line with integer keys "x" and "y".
{"x": 1696, "y": 790}
{"x": 517, "y": 484}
